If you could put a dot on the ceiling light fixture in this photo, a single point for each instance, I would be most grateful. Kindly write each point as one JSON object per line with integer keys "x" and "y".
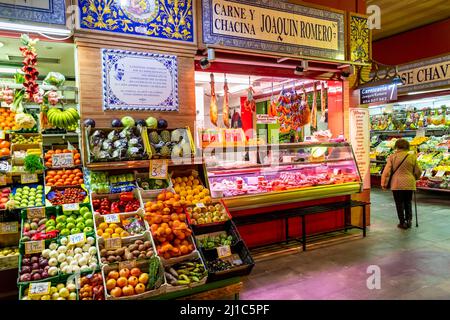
{"x": 33, "y": 29}
{"x": 8, "y": 70}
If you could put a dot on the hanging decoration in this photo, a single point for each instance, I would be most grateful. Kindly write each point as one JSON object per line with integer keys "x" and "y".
{"x": 314, "y": 107}
{"x": 306, "y": 110}
{"x": 250, "y": 103}
{"x": 213, "y": 111}
{"x": 226, "y": 105}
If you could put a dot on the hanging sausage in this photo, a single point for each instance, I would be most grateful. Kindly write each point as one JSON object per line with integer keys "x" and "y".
{"x": 314, "y": 107}
{"x": 226, "y": 106}
{"x": 213, "y": 112}
{"x": 306, "y": 110}
{"x": 323, "y": 102}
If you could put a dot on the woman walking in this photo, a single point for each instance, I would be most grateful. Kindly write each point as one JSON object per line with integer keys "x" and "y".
{"x": 400, "y": 175}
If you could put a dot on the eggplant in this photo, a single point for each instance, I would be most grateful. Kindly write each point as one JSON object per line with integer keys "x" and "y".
{"x": 113, "y": 135}
{"x": 107, "y": 145}
{"x": 89, "y": 122}
{"x": 133, "y": 142}
{"x": 121, "y": 143}
{"x": 126, "y": 133}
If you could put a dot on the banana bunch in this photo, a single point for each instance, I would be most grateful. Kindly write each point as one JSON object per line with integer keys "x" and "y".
{"x": 63, "y": 118}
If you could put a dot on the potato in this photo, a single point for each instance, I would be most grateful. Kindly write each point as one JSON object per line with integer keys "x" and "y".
{"x": 103, "y": 253}
{"x": 133, "y": 247}
{"x": 111, "y": 259}
{"x": 136, "y": 253}
{"x": 141, "y": 256}
{"x": 111, "y": 253}
{"x": 129, "y": 256}
{"x": 118, "y": 258}
{"x": 120, "y": 252}
{"x": 141, "y": 247}
{"x": 149, "y": 254}
{"x": 147, "y": 244}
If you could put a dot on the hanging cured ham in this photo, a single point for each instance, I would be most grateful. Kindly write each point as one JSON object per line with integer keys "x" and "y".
{"x": 226, "y": 106}
{"x": 250, "y": 104}
{"x": 306, "y": 110}
{"x": 314, "y": 107}
{"x": 323, "y": 102}
{"x": 213, "y": 112}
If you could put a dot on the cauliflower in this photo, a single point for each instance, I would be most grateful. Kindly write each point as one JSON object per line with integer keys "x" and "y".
{"x": 25, "y": 121}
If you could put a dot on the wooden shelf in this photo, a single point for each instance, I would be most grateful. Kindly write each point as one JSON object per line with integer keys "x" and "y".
{"x": 138, "y": 164}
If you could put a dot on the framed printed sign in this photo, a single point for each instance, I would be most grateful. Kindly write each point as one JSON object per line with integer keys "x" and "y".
{"x": 139, "y": 81}
{"x": 43, "y": 11}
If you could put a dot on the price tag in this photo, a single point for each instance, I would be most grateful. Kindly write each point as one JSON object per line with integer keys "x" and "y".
{"x": 428, "y": 172}
{"x": 2, "y": 134}
{"x": 223, "y": 251}
{"x": 127, "y": 264}
{"x": 34, "y": 246}
{"x": 35, "y": 212}
{"x": 3, "y": 180}
{"x": 71, "y": 207}
{"x": 200, "y": 205}
{"x": 62, "y": 160}
{"x": 113, "y": 243}
{"x": 77, "y": 238}
{"x": 39, "y": 289}
{"x": 111, "y": 218}
{"x": 420, "y": 132}
{"x": 440, "y": 173}
{"x": 9, "y": 227}
{"x": 28, "y": 178}
{"x": 159, "y": 169}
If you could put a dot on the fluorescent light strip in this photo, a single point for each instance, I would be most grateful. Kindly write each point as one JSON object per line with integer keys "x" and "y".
{"x": 8, "y": 70}
{"x": 33, "y": 29}
{"x": 427, "y": 91}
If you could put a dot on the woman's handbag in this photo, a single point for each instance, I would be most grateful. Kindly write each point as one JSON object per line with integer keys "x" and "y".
{"x": 388, "y": 186}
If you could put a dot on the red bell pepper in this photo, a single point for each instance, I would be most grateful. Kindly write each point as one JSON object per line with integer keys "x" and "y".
{"x": 126, "y": 196}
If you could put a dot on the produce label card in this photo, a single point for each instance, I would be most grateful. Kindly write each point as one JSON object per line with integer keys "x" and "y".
{"x": 159, "y": 169}
{"x": 112, "y": 218}
{"x": 39, "y": 289}
{"x": 77, "y": 238}
{"x": 34, "y": 246}
{"x": 71, "y": 207}
{"x": 127, "y": 264}
{"x": 36, "y": 212}
{"x": 200, "y": 205}
{"x": 113, "y": 243}
{"x": 62, "y": 160}
{"x": 223, "y": 251}
{"x": 9, "y": 227}
{"x": 440, "y": 173}
{"x": 28, "y": 178}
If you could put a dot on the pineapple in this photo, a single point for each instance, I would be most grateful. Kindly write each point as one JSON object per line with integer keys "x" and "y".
{"x": 165, "y": 136}
{"x": 154, "y": 137}
{"x": 165, "y": 151}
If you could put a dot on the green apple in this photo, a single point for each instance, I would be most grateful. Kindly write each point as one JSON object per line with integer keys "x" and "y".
{"x": 84, "y": 210}
{"x": 71, "y": 220}
{"x": 67, "y": 213}
{"x": 50, "y": 222}
{"x": 60, "y": 226}
{"x": 19, "y": 190}
{"x": 75, "y": 230}
{"x": 26, "y": 188}
{"x": 87, "y": 216}
{"x": 80, "y": 220}
{"x": 80, "y": 225}
{"x": 65, "y": 232}
{"x": 74, "y": 216}
{"x": 49, "y": 228}
{"x": 39, "y": 187}
{"x": 88, "y": 230}
{"x": 89, "y": 223}
{"x": 70, "y": 225}
{"x": 61, "y": 219}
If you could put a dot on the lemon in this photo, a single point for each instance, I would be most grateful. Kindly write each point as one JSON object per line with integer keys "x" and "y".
{"x": 196, "y": 191}
{"x": 183, "y": 193}
{"x": 178, "y": 180}
{"x": 196, "y": 182}
{"x": 191, "y": 178}
{"x": 183, "y": 184}
{"x": 185, "y": 179}
{"x": 189, "y": 198}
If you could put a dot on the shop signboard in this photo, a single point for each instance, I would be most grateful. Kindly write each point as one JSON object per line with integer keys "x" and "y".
{"x": 384, "y": 93}
{"x": 139, "y": 81}
{"x": 359, "y": 137}
{"x": 266, "y": 119}
{"x": 42, "y": 11}
{"x": 275, "y": 26}
{"x": 425, "y": 74}
{"x": 157, "y": 19}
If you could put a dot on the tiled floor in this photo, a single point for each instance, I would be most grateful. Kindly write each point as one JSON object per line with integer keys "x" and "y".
{"x": 414, "y": 264}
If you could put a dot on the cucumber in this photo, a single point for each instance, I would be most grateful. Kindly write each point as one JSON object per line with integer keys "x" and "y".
{"x": 153, "y": 272}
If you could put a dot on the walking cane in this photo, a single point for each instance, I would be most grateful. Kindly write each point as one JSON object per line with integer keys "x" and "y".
{"x": 415, "y": 208}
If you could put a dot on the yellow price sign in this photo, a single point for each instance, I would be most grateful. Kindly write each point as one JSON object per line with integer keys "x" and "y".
{"x": 39, "y": 289}
{"x": 36, "y": 212}
{"x": 112, "y": 218}
{"x": 77, "y": 238}
{"x": 9, "y": 227}
{"x": 223, "y": 251}
{"x": 159, "y": 169}
{"x": 34, "y": 246}
{"x": 28, "y": 178}
{"x": 113, "y": 243}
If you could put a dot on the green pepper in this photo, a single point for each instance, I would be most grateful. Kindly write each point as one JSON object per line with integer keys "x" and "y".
{"x": 182, "y": 282}
{"x": 194, "y": 278}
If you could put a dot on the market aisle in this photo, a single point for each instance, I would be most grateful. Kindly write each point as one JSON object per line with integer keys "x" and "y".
{"x": 415, "y": 263}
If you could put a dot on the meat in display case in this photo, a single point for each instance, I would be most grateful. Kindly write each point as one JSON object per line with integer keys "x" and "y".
{"x": 274, "y": 174}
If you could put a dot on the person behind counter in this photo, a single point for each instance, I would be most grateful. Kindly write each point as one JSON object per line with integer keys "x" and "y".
{"x": 401, "y": 172}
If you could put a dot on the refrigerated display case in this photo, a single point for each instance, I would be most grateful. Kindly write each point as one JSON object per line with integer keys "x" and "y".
{"x": 252, "y": 177}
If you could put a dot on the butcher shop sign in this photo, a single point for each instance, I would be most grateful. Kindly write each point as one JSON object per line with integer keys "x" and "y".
{"x": 274, "y": 26}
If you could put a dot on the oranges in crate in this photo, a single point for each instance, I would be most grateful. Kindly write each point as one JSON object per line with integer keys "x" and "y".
{"x": 126, "y": 282}
{"x": 60, "y": 178}
{"x": 167, "y": 219}
{"x": 191, "y": 190}
{"x": 7, "y": 121}
{"x": 48, "y": 156}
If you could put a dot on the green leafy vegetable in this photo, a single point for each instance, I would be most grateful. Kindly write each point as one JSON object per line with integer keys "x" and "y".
{"x": 33, "y": 163}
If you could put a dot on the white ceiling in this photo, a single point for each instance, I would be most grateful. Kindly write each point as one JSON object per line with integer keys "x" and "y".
{"x": 64, "y": 52}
